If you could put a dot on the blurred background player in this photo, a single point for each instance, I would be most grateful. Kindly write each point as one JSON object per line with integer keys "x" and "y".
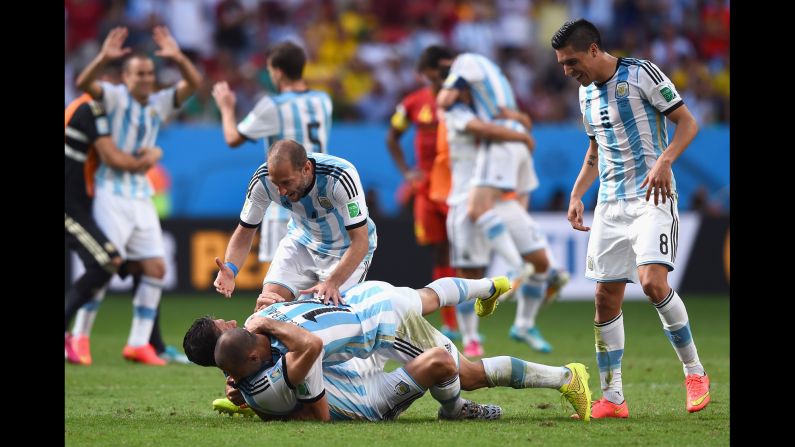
{"x": 123, "y": 207}
{"x": 624, "y": 104}
{"x": 419, "y": 108}
{"x": 295, "y": 113}
{"x": 469, "y": 249}
{"x": 87, "y": 138}
{"x": 501, "y": 168}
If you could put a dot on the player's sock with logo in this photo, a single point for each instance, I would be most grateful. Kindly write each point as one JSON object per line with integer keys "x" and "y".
{"x": 529, "y": 298}
{"x": 452, "y": 291}
{"x": 84, "y": 320}
{"x": 491, "y": 224}
{"x": 83, "y": 290}
{"x": 609, "y": 351}
{"x": 145, "y": 309}
{"x": 677, "y": 327}
{"x": 467, "y": 322}
{"x": 517, "y": 373}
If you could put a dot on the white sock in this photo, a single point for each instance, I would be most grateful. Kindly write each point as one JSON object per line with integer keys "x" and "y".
{"x": 529, "y": 298}
{"x": 84, "y": 320}
{"x": 677, "y": 328}
{"x": 452, "y": 291}
{"x": 491, "y": 224}
{"x": 609, "y": 351}
{"x": 517, "y": 373}
{"x": 467, "y": 322}
{"x": 448, "y": 393}
{"x": 145, "y": 302}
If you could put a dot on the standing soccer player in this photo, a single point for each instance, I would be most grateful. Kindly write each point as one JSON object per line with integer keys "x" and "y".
{"x": 624, "y": 103}
{"x": 123, "y": 206}
{"x": 419, "y": 108}
{"x": 296, "y": 113}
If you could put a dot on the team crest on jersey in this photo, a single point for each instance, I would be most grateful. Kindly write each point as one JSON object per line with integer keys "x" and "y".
{"x": 401, "y": 388}
{"x": 246, "y": 206}
{"x": 325, "y": 202}
{"x": 590, "y": 263}
{"x": 301, "y": 390}
{"x": 276, "y": 374}
{"x": 622, "y": 89}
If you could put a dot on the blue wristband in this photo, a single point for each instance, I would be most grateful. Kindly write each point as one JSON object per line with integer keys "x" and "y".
{"x": 233, "y": 267}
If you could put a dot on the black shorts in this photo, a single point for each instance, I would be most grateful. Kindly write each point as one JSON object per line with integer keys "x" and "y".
{"x": 83, "y": 235}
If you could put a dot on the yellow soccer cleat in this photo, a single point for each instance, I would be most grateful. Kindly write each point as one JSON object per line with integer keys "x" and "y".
{"x": 226, "y": 406}
{"x": 577, "y": 392}
{"x": 486, "y": 306}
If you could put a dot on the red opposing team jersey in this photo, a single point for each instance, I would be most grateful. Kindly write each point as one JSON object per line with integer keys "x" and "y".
{"x": 419, "y": 108}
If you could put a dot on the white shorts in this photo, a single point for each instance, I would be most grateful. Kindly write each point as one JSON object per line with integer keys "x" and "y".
{"x": 507, "y": 166}
{"x": 629, "y": 233}
{"x": 469, "y": 247}
{"x": 360, "y": 390}
{"x": 524, "y": 231}
{"x": 130, "y": 224}
{"x": 272, "y": 231}
{"x": 297, "y": 268}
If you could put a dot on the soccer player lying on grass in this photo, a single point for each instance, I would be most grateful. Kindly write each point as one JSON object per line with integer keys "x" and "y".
{"x": 386, "y": 320}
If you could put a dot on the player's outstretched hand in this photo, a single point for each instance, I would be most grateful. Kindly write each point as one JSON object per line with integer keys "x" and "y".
{"x": 112, "y": 47}
{"x": 224, "y": 96}
{"x": 265, "y": 299}
{"x": 233, "y": 393}
{"x": 169, "y": 49}
{"x": 225, "y": 280}
{"x": 326, "y": 292}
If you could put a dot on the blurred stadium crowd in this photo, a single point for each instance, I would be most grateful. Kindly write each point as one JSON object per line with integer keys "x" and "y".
{"x": 363, "y": 52}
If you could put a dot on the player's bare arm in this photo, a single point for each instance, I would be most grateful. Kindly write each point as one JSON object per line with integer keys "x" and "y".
{"x": 225, "y": 99}
{"x": 659, "y": 178}
{"x": 587, "y": 175}
{"x": 496, "y": 132}
{"x": 329, "y": 290}
{"x": 169, "y": 49}
{"x": 236, "y": 252}
{"x": 111, "y": 155}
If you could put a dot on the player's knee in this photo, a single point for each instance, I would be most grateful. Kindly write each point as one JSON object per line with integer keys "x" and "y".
{"x": 541, "y": 263}
{"x": 155, "y": 269}
{"x": 442, "y": 362}
{"x": 655, "y": 290}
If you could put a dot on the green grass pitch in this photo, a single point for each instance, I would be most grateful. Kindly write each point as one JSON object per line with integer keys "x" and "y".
{"x": 113, "y": 402}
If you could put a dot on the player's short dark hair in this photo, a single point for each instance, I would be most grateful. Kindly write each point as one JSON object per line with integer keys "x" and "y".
{"x": 137, "y": 55}
{"x": 431, "y": 56}
{"x": 199, "y": 342}
{"x": 579, "y": 33}
{"x": 289, "y": 150}
{"x": 289, "y": 58}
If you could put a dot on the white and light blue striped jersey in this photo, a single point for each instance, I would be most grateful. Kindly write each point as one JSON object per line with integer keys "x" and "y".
{"x": 321, "y": 219}
{"x": 301, "y": 116}
{"x": 626, "y": 117}
{"x": 133, "y": 126}
{"x": 271, "y": 391}
{"x": 366, "y": 324}
{"x": 489, "y": 86}
{"x": 463, "y": 151}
